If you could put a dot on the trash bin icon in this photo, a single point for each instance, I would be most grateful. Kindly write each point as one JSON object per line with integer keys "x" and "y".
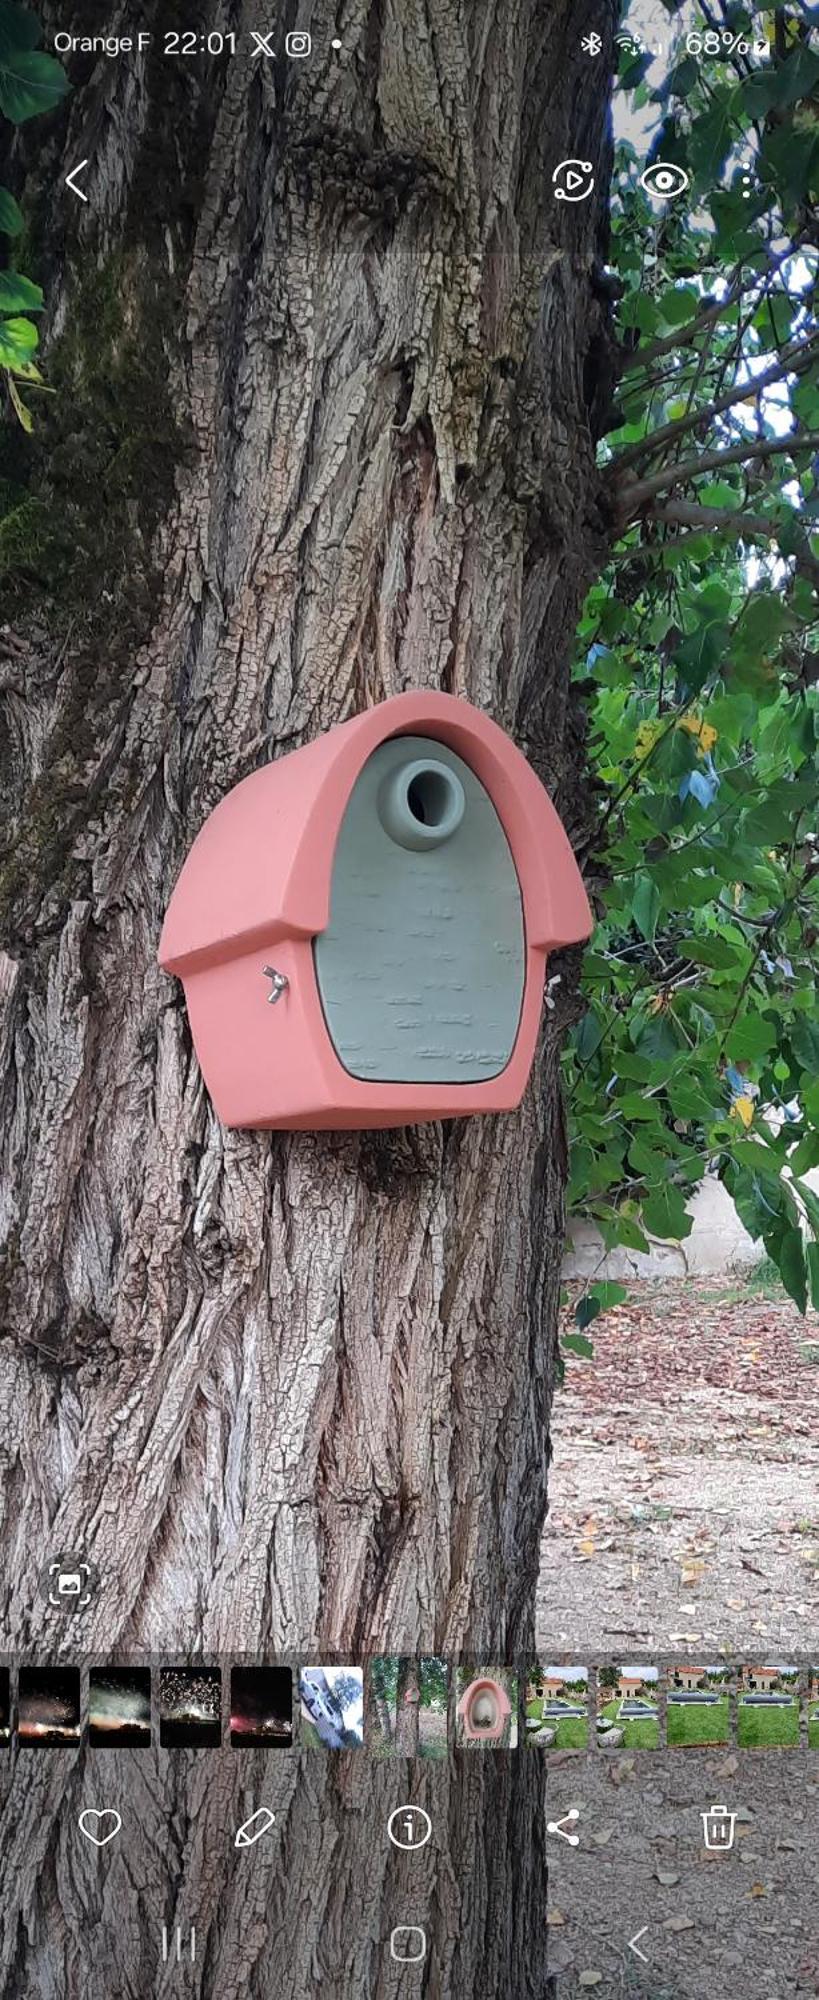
{"x": 718, "y": 1829}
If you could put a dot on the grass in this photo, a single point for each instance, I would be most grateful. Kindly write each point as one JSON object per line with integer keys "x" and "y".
{"x": 689, "y": 1722}
{"x": 813, "y": 1729}
{"x": 765, "y": 1278}
{"x": 639, "y": 1733}
{"x": 572, "y": 1733}
{"x": 763, "y": 1728}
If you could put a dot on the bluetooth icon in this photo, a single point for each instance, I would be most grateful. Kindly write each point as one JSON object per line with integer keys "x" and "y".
{"x": 591, "y": 45}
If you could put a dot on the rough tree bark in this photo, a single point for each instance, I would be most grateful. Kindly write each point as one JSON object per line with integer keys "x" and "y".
{"x": 326, "y": 354}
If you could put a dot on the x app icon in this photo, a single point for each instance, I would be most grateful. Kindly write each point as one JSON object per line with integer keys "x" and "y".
{"x": 263, "y": 44}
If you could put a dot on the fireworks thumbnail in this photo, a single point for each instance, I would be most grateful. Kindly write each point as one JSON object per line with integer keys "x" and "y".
{"x": 261, "y": 1707}
{"x": 119, "y": 1707}
{"x": 190, "y": 1708}
{"x": 48, "y": 1706}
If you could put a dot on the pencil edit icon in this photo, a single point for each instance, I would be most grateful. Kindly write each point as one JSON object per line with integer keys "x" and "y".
{"x": 252, "y": 1829}
{"x": 718, "y": 1829}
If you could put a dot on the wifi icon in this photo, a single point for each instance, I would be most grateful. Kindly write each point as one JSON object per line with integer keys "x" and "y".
{"x": 629, "y": 45}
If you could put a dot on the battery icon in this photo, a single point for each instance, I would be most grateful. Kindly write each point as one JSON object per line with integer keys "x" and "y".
{"x": 718, "y": 1829}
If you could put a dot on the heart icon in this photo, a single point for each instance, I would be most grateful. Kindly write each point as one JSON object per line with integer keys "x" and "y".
{"x": 100, "y": 1827}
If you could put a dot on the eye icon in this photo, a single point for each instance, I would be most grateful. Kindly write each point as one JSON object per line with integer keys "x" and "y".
{"x": 664, "y": 180}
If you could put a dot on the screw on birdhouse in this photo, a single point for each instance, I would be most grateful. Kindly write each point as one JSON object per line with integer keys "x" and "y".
{"x": 548, "y": 996}
{"x": 279, "y": 986}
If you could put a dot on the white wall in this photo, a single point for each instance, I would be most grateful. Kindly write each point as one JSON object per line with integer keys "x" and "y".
{"x": 717, "y": 1243}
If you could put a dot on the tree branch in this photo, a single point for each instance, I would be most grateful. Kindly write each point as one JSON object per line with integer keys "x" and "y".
{"x": 634, "y": 494}
{"x": 790, "y": 362}
{"x": 685, "y": 334}
{"x": 727, "y": 520}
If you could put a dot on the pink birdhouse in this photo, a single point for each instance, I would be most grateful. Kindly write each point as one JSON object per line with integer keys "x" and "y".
{"x": 362, "y": 927}
{"x": 484, "y": 1708}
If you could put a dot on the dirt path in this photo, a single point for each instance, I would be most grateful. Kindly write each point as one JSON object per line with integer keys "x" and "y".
{"x": 684, "y": 1491}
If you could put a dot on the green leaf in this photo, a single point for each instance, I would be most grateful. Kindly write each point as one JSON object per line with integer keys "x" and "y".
{"x": 18, "y": 294}
{"x": 660, "y": 1039}
{"x": 716, "y": 952}
{"x": 678, "y": 306}
{"x": 618, "y": 1229}
{"x": 18, "y": 340}
{"x": 791, "y": 1262}
{"x": 575, "y": 1343}
{"x": 645, "y": 906}
{"x": 751, "y": 1036}
{"x": 11, "y": 219}
{"x": 664, "y": 1214}
{"x": 711, "y": 136}
{"x": 782, "y": 83}
{"x": 598, "y": 1300}
{"x": 812, "y": 1254}
{"x": 19, "y": 27}
{"x": 805, "y": 1155}
{"x": 588, "y": 1034}
{"x": 30, "y": 82}
{"x": 804, "y": 1040}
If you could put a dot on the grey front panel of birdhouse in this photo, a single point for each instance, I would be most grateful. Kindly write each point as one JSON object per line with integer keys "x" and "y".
{"x": 421, "y": 970}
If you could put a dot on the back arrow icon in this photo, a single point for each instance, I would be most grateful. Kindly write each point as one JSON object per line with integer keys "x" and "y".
{"x": 632, "y": 1944}
{"x": 71, "y": 180}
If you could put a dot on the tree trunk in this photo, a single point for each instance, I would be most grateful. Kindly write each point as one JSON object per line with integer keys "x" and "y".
{"x": 407, "y": 1702}
{"x": 325, "y": 353}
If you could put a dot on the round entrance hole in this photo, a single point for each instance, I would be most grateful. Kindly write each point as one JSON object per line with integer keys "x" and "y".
{"x": 421, "y": 803}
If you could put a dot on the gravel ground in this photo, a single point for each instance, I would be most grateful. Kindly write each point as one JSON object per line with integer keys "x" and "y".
{"x": 684, "y": 1489}
{"x": 736, "y": 1926}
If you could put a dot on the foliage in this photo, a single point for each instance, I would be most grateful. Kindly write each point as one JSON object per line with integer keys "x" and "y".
{"x": 699, "y": 1047}
{"x": 30, "y": 82}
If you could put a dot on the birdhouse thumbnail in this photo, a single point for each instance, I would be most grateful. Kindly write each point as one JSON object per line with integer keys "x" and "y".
{"x": 483, "y": 1708}
{"x": 362, "y": 927}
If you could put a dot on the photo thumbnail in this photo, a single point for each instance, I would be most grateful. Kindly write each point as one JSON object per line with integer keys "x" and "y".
{"x": 408, "y": 1700}
{"x": 48, "y": 1707}
{"x": 261, "y": 1708}
{"x": 119, "y": 1707}
{"x": 486, "y": 1708}
{"x": 628, "y": 1707}
{"x": 332, "y": 1707}
{"x": 557, "y": 1708}
{"x": 698, "y": 1703}
{"x": 768, "y": 1706}
{"x": 190, "y": 1708}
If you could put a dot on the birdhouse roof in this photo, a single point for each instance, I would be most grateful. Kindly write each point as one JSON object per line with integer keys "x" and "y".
{"x": 260, "y": 868}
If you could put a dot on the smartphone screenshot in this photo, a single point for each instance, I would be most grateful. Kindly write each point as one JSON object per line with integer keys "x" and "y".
{"x": 409, "y": 1041}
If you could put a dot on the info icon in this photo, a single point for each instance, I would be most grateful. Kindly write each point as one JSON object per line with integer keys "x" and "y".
{"x": 409, "y": 1827}
{"x": 68, "y": 1582}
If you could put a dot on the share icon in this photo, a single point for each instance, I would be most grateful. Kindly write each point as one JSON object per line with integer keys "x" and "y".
{"x": 559, "y": 1826}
